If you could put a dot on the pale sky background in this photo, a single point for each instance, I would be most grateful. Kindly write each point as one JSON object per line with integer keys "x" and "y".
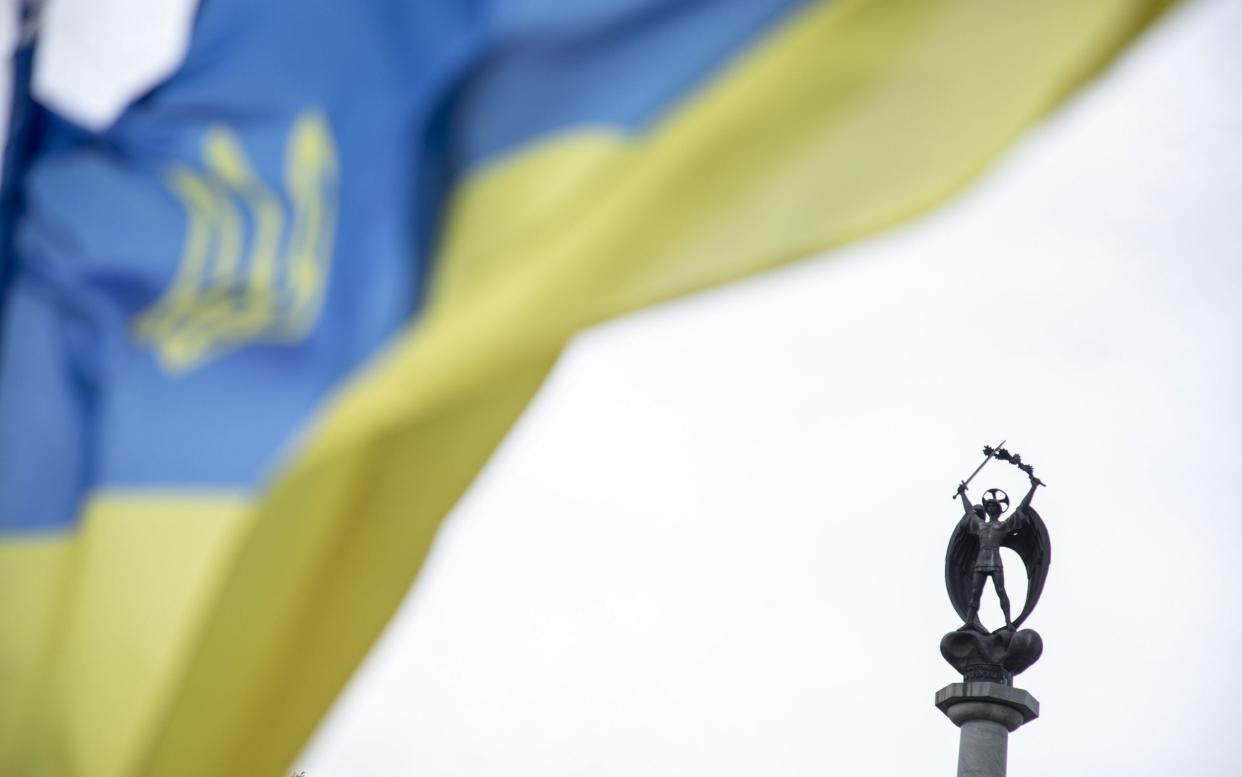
{"x": 714, "y": 544}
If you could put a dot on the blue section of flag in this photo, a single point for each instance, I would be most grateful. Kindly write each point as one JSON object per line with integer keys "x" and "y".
{"x": 413, "y": 94}
{"x": 616, "y": 63}
{"x": 82, "y": 404}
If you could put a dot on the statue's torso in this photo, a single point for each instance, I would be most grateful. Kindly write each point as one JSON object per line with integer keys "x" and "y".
{"x": 991, "y": 534}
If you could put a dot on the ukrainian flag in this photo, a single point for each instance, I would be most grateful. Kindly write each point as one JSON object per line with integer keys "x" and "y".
{"x": 261, "y": 330}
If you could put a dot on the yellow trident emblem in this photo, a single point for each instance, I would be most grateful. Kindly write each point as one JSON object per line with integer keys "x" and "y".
{"x": 217, "y": 301}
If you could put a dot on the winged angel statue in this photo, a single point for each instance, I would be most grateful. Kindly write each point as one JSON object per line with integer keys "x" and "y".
{"x": 974, "y": 547}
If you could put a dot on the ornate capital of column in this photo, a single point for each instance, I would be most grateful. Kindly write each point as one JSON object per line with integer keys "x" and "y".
{"x": 965, "y": 702}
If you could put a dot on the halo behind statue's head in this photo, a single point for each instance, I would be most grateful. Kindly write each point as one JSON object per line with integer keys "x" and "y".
{"x": 995, "y": 502}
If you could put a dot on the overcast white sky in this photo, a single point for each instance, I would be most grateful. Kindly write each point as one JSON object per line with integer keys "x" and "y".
{"x": 714, "y": 544}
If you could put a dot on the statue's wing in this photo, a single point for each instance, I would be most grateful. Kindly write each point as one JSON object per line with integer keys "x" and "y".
{"x": 959, "y": 565}
{"x": 1030, "y": 541}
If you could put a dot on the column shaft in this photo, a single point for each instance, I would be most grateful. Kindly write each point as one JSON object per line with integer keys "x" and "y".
{"x": 983, "y": 749}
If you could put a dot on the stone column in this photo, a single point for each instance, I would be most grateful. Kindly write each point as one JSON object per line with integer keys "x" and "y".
{"x": 986, "y": 712}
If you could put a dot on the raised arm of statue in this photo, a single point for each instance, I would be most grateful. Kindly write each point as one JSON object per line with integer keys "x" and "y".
{"x": 1026, "y": 500}
{"x": 966, "y": 505}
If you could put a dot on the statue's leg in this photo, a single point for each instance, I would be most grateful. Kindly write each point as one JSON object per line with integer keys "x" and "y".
{"x": 976, "y": 595}
{"x": 998, "y": 579}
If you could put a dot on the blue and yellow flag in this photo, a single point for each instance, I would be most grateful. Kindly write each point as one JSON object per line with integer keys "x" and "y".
{"x": 261, "y": 330}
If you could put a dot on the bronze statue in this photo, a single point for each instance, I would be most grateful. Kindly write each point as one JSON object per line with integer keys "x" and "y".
{"x": 986, "y": 705}
{"x": 974, "y": 548}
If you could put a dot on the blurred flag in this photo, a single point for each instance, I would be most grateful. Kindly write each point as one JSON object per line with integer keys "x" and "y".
{"x": 266, "y": 314}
